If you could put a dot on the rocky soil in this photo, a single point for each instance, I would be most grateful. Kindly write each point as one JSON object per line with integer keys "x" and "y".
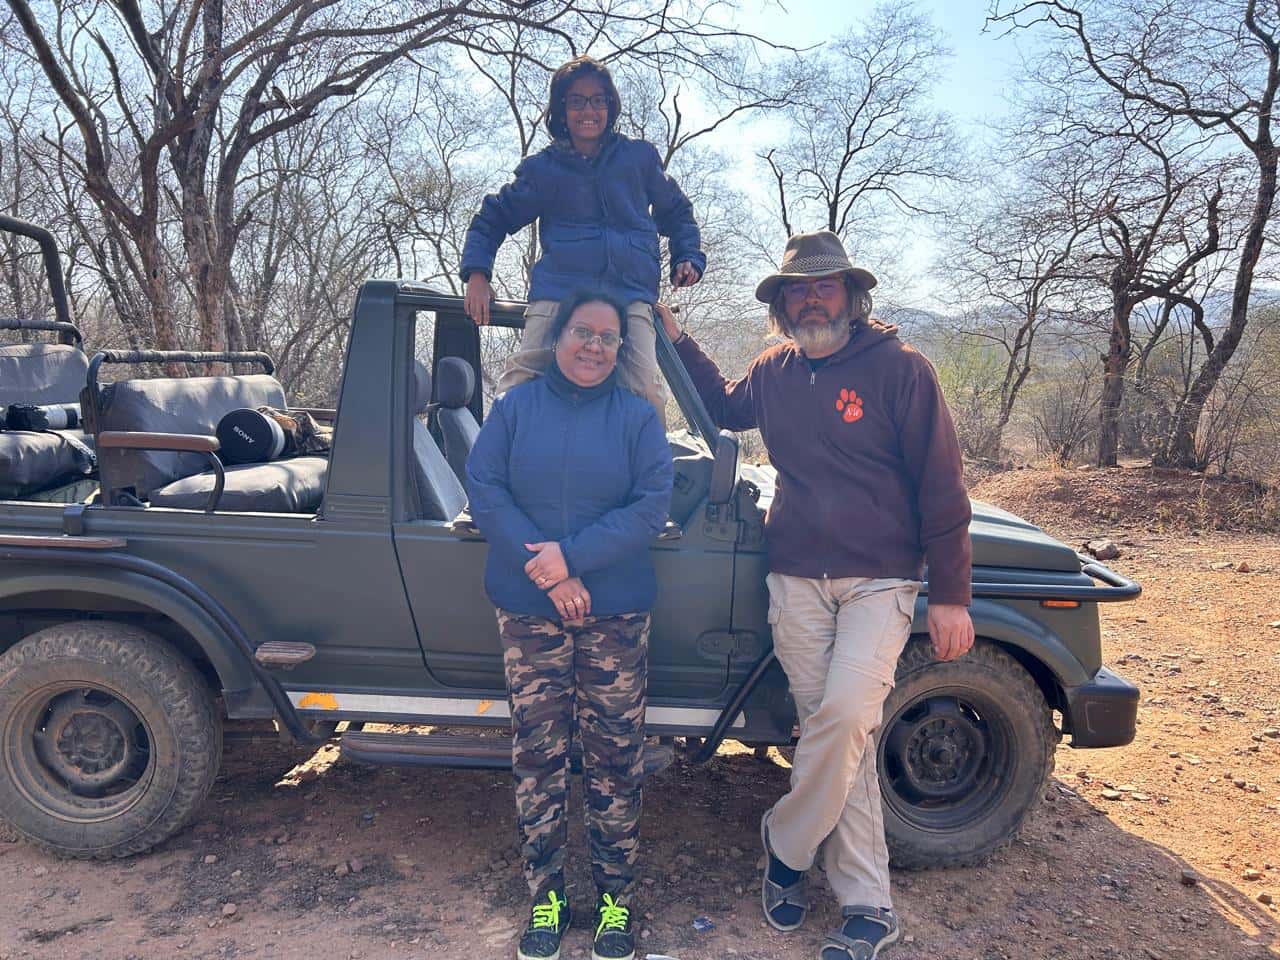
{"x": 1168, "y": 848}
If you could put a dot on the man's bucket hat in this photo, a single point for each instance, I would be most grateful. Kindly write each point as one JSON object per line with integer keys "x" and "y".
{"x": 817, "y": 254}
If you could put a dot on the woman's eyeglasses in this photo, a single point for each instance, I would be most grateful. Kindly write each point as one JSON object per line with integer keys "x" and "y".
{"x": 797, "y": 290}
{"x": 608, "y": 340}
{"x": 576, "y": 101}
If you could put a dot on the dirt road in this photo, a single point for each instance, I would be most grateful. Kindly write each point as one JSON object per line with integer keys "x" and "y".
{"x": 1168, "y": 848}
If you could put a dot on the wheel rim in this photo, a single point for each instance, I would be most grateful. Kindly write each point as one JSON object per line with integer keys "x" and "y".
{"x": 79, "y": 752}
{"x": 946, "y": 759}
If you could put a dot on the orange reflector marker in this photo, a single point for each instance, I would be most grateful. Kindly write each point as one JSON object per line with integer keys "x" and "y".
{"x": 1060, "y": 604}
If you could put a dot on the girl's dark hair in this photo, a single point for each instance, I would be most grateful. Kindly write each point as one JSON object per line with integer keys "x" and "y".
{"x": 566, "y": 73}
{"x": 577, "y": 299}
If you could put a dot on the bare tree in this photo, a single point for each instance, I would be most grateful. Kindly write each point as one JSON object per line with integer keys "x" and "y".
{"x": 167, "y": 104}
{"x": 864, "y": 139}
{"x": 1012, "y": 257}
{"x": 1211, "y": 64}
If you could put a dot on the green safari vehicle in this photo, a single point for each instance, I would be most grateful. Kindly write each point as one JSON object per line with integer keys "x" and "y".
{"x": 184, "y": 595}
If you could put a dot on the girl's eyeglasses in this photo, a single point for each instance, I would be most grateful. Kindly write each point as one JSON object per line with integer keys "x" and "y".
{"x": 576, "y": 101}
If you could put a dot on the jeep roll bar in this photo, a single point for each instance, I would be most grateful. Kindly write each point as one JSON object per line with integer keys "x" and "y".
{"x": 68, "y": 333}
{"x": 52, "y": 267}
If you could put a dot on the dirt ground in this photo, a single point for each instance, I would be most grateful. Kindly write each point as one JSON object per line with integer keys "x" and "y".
{"x": 1168, "y": 848}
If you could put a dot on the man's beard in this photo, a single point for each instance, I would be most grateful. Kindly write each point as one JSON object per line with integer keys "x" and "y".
{"x": 821, "y": 337}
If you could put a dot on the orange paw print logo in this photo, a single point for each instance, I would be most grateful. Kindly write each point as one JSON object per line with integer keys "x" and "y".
{"x": 850, "y": 405}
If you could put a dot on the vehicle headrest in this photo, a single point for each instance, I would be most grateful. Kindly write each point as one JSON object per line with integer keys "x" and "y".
{"x": 419, "y": 389}
{"x": 455, "y": 382}
{"x": 41, "y": 373}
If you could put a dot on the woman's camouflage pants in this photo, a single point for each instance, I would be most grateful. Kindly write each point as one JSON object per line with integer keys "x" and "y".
{"x": 600, "y": 668}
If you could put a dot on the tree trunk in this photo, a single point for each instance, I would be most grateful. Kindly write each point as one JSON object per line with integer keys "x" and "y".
{"x": 1180, "y": 450}
{"x": 1115, "y": 365}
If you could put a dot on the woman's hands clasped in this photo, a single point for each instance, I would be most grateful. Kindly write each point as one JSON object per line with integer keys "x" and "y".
{"x": 547, "y": 568}
{"x": 571, "y": 599}
{"x": 548, "y": 571}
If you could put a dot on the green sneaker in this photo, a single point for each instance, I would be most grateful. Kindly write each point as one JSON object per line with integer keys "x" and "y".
{"x": 548, "y": 921}
{"x": 614, "y": 939}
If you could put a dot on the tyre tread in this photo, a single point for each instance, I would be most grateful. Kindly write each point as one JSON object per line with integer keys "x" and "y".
{"x": 172, "y": 680}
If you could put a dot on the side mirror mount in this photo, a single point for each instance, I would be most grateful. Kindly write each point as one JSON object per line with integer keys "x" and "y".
{"x": 724, "y": 471}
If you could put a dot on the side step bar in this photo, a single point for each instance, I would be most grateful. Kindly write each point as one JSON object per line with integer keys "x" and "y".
{"x": 452, "y": 750}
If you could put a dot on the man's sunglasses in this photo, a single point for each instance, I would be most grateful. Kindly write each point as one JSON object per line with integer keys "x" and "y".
{"x": 796, "y": 291}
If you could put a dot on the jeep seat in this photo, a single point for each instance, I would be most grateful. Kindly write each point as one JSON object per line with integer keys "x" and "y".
{"x": 185, "y": 405}
{"x": 455, "y": 383}
{"x": 41, "y": 373}
{"x": 440, "y": 491}
{"x": 194, "y": 405}
{"x": 31, "y": 462}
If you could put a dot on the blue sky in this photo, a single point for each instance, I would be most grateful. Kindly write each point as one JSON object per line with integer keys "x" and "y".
{"x": 972, "y": 86}
{"x": 975, "y": 78}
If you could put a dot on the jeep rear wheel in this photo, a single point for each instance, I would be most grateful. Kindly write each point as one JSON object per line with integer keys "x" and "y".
{"x": 964, "y": 754}
{"x": 109, "y": 740}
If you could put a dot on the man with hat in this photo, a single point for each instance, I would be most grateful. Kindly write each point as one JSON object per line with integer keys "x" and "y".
{"x": 869, "y": 486}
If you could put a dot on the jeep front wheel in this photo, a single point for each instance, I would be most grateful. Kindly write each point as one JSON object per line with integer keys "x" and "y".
{"x": 964, "y": 754}
{"x": 109, "y": 740}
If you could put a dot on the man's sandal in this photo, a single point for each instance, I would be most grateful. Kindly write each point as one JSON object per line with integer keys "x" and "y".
{"x": 864, "y": 933}
{"x": 775, "y": 897}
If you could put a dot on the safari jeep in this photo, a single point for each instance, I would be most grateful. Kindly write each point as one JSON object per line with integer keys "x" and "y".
{"x": 186, "y": 593}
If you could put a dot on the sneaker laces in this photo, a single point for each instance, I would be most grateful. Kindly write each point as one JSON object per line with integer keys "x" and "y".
{"x": 546, "y": 916}
{"x": 613, "y": 915}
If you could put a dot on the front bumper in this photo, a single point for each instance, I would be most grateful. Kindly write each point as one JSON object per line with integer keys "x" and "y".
{"x": 1102, "y": 712}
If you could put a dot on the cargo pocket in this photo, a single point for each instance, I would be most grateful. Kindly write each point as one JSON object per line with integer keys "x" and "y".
{"x": 897, "y": 629}
{"x": 774, "y": 583}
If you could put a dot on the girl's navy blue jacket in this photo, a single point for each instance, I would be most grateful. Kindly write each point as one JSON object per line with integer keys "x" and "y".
{"x": 598, "y": 221}
{"x": 587, "y": 467}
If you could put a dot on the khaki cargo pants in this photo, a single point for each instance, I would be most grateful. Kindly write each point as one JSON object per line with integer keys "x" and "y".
{"x": 637, "y": 367}
{"x": 838, "y": 642}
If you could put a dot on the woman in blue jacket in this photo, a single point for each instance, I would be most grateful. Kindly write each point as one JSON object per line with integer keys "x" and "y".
{"x": 570, "y": 480}
{"x": 601, "y": 199}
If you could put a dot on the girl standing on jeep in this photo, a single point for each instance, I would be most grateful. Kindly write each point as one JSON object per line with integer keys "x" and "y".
{"x": 601, "y": 199}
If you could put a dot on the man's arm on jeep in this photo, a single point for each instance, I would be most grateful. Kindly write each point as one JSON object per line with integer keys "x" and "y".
{"x": 495, "y": 511}
{"x": 729, "y": 402}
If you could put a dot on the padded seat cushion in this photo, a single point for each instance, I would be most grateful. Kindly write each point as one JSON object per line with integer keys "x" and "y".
{"x": 191, "y": 405}
{"x": 283, "y": 486}
{"x": 31, "y": 461}
{"x": 41, "y": 373}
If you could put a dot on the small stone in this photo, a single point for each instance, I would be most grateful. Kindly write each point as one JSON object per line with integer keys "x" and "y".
{"x": 40, "y": 872}
{"x": 228, "y": 909}
{"x": 357, "y": 866}
{"x": 341, "y": 870}
{"x": 1238, "y": 782}
{"x": 1112, "y": 795}
{"x": 210, "y": 859}
{"x": 1252, "y": 875}
{"x": 1103, "y": 549}
{"x": 1126, "y": 788}
{"x": 1243, "y": 567}
{"x": 236, "y": 874}
{"x": 1265, "y": 899}
{"x": 1189, "y": 878}
{"x": 1272, "y": 732}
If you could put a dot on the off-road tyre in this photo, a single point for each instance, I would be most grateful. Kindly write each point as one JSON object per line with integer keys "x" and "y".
{"x": 109, "y": 740}
{"x": 964, "y": 755}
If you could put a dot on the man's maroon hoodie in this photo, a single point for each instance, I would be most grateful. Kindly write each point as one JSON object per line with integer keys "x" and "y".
{"x": 869, "y": 472}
